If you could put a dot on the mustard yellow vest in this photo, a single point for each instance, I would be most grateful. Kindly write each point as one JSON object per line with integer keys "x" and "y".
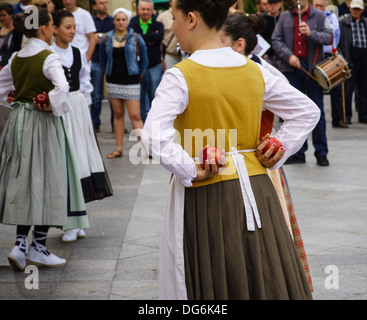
{"x": 224, "y": 110}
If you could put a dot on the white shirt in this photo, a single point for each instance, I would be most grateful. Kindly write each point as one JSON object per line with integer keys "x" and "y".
{"x": 52, "y": 70}
{"x": 84, "y": 24}
{"x": 332, "y": 23}
{"x": 67, "y": 59}
{"x": 300, "y": 114}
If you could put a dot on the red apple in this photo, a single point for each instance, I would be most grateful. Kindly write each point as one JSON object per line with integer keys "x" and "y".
{"x": 270, "y": 143}
{"x": 42, "y": 99}
{"x": 210, "y": 153}
{"x": 11, "y": 94}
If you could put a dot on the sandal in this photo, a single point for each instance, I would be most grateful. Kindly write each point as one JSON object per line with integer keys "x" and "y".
{"x": 115, "y": 154}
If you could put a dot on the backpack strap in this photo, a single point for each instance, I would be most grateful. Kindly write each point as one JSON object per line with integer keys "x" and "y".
{"x": 137, "y": 45}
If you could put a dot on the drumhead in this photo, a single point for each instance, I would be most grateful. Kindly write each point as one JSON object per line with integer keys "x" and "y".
{"x": 321, "y": 78}
{"x": 346, "y": 68}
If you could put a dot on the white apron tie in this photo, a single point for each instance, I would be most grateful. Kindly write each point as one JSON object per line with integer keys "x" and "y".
{"x": 247, "y": 193}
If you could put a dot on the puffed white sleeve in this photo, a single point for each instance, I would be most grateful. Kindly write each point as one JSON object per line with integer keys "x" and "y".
{"x": 272, "y": 69}
{"x": 300, "y": 113}
{"x": 53, "y": 71}
{"x": 84, "y": 76}
{"x": 158, "y": 133}
{"x": 86, "y": 86}
{"x": 6, "y": 81}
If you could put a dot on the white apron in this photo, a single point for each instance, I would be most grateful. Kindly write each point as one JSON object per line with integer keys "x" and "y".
{"x": 172, "y": 285}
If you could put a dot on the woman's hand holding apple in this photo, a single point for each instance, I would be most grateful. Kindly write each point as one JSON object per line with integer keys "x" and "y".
{"x": 209, "y": 162}
{"x": 269, "y": 151}
{"x": 42, "y": 102}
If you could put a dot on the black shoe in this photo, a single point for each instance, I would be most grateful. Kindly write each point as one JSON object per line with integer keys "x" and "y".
{"x": 322, "y": 161}
{"x": 295, "y": 159}
{"x": 340, "y": 124}
{"x": 96, "y": 128}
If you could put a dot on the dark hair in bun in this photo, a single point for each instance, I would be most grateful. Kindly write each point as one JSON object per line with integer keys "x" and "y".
{"x": 30, "y": 31}
{"x": 245, "y": 26}
{"x": 258, "y": 22}
{"x": 59, "y": 15}
{"x": 225, "y": 3}
{"x": 213, "y": 12}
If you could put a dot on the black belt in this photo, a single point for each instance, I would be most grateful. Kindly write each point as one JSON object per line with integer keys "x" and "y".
{"x": 302, "y": 59}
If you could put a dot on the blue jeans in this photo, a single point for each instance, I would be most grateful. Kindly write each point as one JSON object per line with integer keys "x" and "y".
{"x": 301, "y": 81}
{"x": 97, "y": 76}
{"x": 150, "y": 83}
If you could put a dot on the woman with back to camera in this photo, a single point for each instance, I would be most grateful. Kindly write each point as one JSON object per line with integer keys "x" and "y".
{"x": 239, "y": 32}
{"x": 224, "y": 234}
{"x": 124, "y": 57}
{"x": 39, "y": 182}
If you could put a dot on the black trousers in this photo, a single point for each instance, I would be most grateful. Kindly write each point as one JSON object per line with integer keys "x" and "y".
{"x": 337, "y": 113}
{"x": 358, "y": 79}
{"x": 336, "y": 99}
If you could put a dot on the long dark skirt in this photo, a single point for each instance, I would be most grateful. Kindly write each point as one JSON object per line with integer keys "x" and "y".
{"x": 223, "y": 260}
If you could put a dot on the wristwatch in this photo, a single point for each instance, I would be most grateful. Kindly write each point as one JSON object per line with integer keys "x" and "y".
{"x": 100, "y": 35}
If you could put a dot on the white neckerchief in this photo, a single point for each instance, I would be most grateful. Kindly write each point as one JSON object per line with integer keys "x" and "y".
{"x": 66, "y": 55}
{"x": 214, "y": 57}
{"x": 33, "y": 46}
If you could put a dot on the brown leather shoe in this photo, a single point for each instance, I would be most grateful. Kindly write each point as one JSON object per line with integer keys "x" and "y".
{"x": 341, "y": 124}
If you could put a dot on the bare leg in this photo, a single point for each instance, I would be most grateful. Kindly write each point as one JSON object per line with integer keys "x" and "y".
{"x": 118, "y": 125}
{"x": 133, "y": 110}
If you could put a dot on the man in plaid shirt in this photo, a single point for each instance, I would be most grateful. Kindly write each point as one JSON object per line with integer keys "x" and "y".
{"x": 353, "y": 46}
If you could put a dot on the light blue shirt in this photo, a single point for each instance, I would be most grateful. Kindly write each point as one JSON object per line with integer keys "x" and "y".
{"x": 333, "y": 23}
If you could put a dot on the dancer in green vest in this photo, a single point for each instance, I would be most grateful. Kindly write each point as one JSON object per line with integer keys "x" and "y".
{"x": 39, "y": 181}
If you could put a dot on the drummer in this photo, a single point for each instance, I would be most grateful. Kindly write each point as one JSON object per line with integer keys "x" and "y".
{"x": 337, "y": 114}
{"x": 300, "y": 50}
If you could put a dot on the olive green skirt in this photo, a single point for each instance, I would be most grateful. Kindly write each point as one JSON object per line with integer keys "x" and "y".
{"x": 223, "y": 260}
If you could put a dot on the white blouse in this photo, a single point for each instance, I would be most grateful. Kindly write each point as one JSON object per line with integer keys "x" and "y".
{"x": 52, "y": 70}
{"x": 300, "y": 114}
{"x": 67, "y": 60}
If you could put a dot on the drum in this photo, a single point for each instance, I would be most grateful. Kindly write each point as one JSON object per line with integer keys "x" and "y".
{"x": 331, "y": 72}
